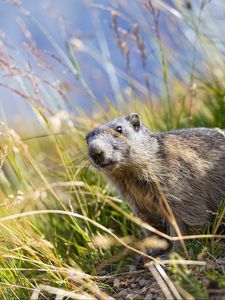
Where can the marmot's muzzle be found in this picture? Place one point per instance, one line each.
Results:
(96, 154)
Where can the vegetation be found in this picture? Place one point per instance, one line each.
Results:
(61, 224)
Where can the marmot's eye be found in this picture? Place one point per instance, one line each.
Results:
(119, 129)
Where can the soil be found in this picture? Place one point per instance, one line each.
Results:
(133, 285)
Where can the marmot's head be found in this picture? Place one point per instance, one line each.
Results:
(110, 145)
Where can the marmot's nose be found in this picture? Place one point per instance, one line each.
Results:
(96, 154)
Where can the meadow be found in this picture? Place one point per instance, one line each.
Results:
(63, 228)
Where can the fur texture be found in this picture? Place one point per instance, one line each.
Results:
(187, 164)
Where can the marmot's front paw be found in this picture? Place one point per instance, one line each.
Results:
(141, 260)
(155, 252)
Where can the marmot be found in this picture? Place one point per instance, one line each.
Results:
(188, 165)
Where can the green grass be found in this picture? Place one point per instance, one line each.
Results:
(42, 249)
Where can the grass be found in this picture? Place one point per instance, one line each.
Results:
(61, 224)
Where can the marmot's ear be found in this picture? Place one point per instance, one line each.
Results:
(134, 119)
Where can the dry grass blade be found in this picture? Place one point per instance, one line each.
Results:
(90, 285)
(4, 154)
(168, 282)
(182, 262)
(60, 293)
(152, 268)
(163, 6)
(221, 217)
(156, 231)
(184, 293)
(167, 210)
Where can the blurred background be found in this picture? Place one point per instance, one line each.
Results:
(70, 55)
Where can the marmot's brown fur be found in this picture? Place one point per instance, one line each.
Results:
(188, 165)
